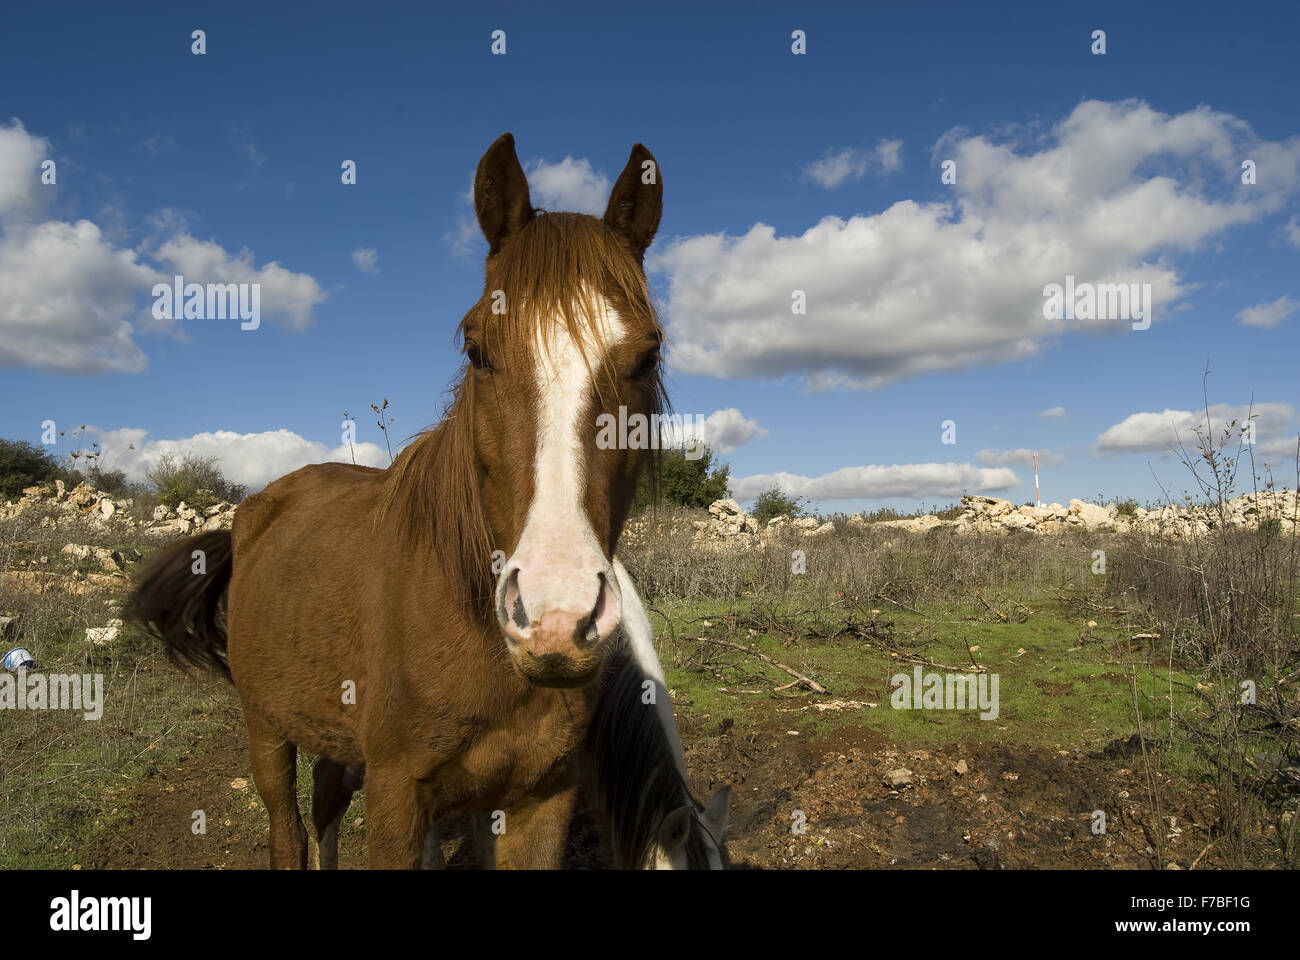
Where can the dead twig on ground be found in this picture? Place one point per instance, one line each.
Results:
(811, 684)
(902, 606)
(931, 662)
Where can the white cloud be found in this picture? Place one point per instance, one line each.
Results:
(67, 294)
(725, 430)
(840, 166)
(1022, 456)
(288, 295)
(21, 154)
(832, 170)
(1052, 413)
(1292, 230)
(1164, 431)
(245, 145)
(251, 459)
(166, 221)
(1268, 314)
(158, 143)
(1283, 446)
(922, 287)
(464, 238)
(889, 154)
(366, 259)
(568, 185)
(70, 294)
(913, 480)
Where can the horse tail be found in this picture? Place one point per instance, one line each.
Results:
(178, 600)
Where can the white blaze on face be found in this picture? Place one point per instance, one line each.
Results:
(559, 559)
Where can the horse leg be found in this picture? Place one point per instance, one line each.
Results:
(274, 759)
(480, 835)
(397, 819)
(485, 847)
(329, 802)
(432, 859)
(536, 829)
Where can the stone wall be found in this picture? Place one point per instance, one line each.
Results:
(728, 524)
(992, 515)
(84, 502)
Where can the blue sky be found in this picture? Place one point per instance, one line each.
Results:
(818, 172)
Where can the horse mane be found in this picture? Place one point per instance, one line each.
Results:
(632, 777)
(432, 488)
(550, 272)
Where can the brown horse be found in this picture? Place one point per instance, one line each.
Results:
(364, 622)
(632, 766)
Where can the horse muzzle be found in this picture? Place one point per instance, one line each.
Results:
(558, 639)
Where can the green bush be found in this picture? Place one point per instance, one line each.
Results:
(773, 502)
(112, 482)
(24, 464)
(195, 480)
(682, 481)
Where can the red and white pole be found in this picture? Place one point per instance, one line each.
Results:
(1037, 495)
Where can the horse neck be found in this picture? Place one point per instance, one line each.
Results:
(433, 503)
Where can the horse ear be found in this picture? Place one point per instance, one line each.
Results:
(637, 200)
(501, 198)
(674, 829)
(715, 815)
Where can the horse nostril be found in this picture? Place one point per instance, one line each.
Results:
(517, 612)
(588, 631)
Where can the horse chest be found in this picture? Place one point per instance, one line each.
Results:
(508, 755)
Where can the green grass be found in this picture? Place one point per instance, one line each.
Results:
(67, 778)
(1068, 689)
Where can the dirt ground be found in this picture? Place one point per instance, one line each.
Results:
(958, 807)
(962, 807)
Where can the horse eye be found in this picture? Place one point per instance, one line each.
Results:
(476, 358)
(647, 365)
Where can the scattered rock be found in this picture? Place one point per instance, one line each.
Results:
(837, 705)
(898, 778)
(101, 636)
(101, 509)
(724, 508)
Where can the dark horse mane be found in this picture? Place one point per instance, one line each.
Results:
(550, 273)
(432, 492)
(631, 774)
